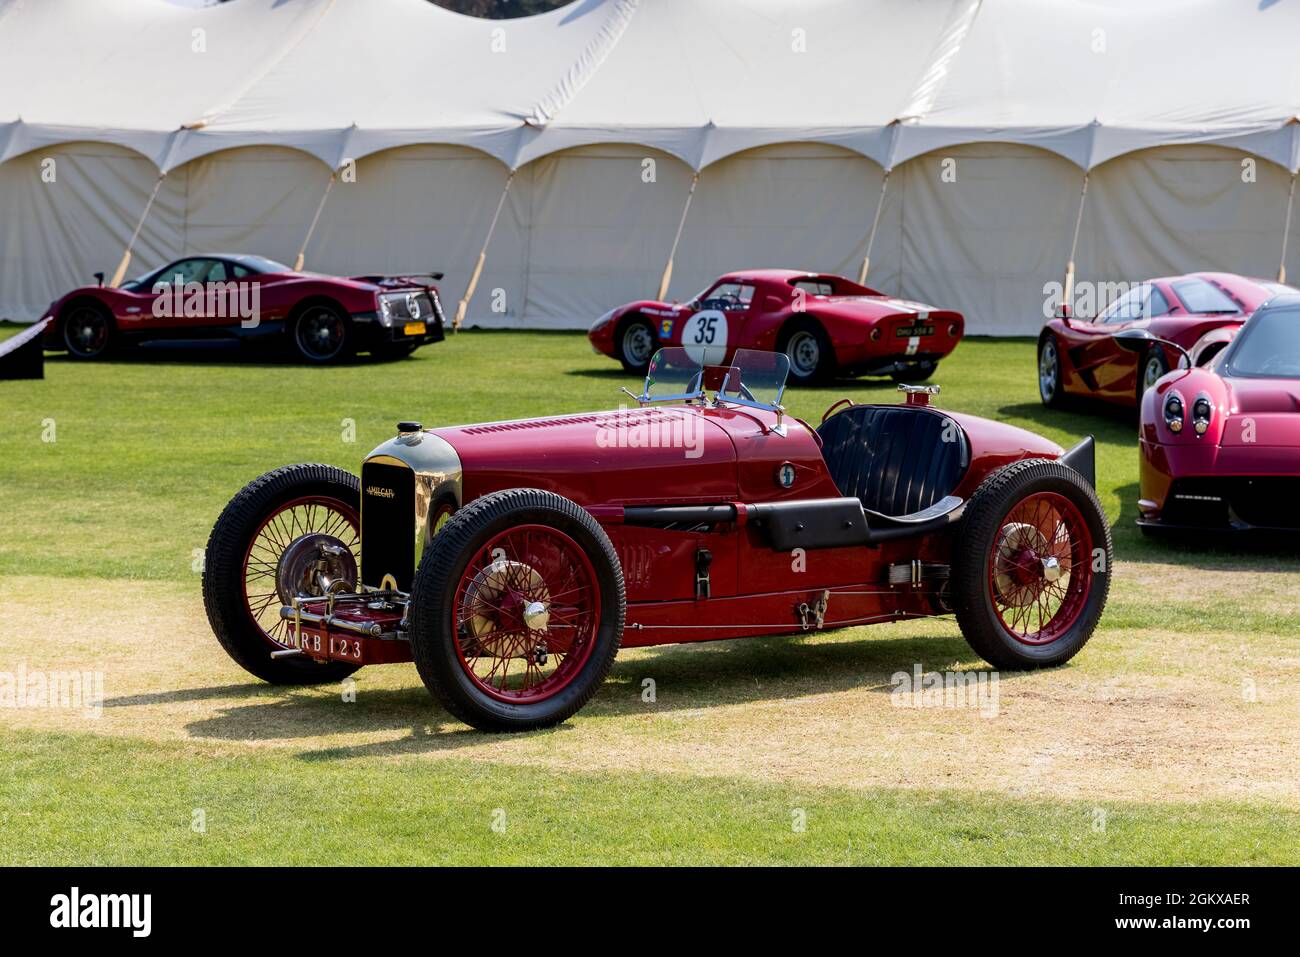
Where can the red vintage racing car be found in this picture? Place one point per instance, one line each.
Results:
(511, 560)
(826, 325)
(1220, 446)
(320, 318)
(1197, 313)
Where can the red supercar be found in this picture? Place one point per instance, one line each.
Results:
(824, 324)
(1196, 315)
(250, 299)
(511, 560)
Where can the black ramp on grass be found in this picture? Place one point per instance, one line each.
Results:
(23, 355)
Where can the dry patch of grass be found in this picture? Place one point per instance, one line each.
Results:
(1151, 713)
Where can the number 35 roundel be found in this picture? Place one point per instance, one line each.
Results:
(704, 337)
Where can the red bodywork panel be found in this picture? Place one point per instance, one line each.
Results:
(1094, 366)
(862, 324)
(694, 455)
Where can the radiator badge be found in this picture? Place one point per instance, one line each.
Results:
(380, 491)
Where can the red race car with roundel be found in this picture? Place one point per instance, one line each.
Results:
(1220, 446)
(1192, 316)
(825, 325)
(254, 300)
(511, 560)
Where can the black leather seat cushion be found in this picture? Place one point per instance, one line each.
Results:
(894, 457)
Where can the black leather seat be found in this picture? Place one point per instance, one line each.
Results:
(893, 458)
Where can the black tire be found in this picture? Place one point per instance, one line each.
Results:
(981, 528)
(1152, 367)
(87, 331)
(809, 349)
(320, 334)
(1050, 390)
(433, 599)
(223, 570)
(635, 342)
(916, 372)
(392, 351)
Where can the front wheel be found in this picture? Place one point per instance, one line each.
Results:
(288, 534)
(1031, 565)
(636, 343)
(88, 332)
(517, 610)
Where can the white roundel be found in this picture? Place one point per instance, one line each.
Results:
(704, 337)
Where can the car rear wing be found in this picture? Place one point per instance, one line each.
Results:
(410, 279)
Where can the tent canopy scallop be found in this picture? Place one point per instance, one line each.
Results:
(891, 79)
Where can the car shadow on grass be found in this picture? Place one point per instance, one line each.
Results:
(249, 689)
(687, 678)
(1105, 422)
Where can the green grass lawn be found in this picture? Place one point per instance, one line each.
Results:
(116, 470)
(83, 800)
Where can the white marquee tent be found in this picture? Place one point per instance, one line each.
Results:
(979, 118)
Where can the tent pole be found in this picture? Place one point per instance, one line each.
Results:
(871, 237)
(667, 277)
(1286, 230)
(302, 252)
(463, 305)
(122, 266)
(1067, 292)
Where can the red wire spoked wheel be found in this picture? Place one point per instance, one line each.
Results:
(284, 525)
(526, 613)
(1040, 568)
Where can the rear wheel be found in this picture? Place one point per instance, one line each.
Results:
(88, 331)
(636, 344)
(1154, 366)
(1049, 372)
(517, 610)
(806, 345)
(266, 549)
(1031, 565)
(321, 334)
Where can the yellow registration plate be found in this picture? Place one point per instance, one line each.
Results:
(413, 328)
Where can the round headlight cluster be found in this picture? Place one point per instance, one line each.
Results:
(952, 329)
(1174, 412)
(1202, 412)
